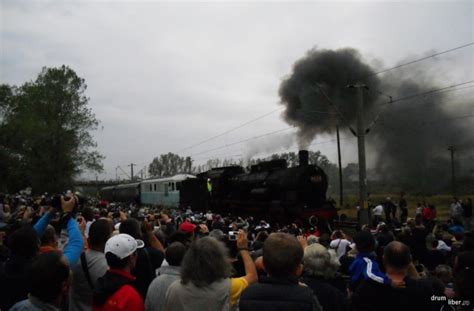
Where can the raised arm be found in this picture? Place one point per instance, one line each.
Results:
(152, 239)
(242, 247)
(73, 249)
(41, 225)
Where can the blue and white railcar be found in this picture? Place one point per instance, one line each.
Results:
(162, 191)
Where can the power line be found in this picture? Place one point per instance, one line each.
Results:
(448, 119)
(414, 128)
(313, 144)
(242, 125)
(273, 111)
(230, 130)
(427, 93)
(420, 59)
(243, 141)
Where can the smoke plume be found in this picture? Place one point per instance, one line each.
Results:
(410, 137)
(319, 74)
(269, 145)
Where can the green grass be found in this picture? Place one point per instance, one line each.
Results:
(442, 203)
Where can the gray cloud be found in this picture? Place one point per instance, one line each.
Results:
(164, 75)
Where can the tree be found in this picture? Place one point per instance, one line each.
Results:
(170, 164)
(45, 126)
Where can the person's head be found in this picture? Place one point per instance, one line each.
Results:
(338, 234)
(49, 237)
(324, 240)
(205, 262)
(174, 253)
(88, 213)
(434, 244)
(444, 273)
(24, 242)
(312, 239)
(121, 251)
(397, 256)
(49, 277)
(406, 231)
(282, 255)
(218, 234)
(131, 227)
(187, 228)
(319, 261)
(99, 233)
(364, 241)
(261, 236)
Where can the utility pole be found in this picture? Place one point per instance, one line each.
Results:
(364, 215)
(131, 170)
(453, 177)
(341, 200)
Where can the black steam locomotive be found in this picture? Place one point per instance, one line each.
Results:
(270, 190)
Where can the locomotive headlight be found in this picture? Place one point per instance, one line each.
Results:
(316, 178)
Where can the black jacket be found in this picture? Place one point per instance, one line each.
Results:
(330, 298)
(278, 295)
(371, 296)
(148, 261)
(14, 282)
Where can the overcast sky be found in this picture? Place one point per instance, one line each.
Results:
(163, 76)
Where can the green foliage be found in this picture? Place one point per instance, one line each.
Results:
(45, 131)
(170, 164)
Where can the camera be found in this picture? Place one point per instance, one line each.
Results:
(233, 235)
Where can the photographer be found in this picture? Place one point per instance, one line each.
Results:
(24, 246)
(206, 282)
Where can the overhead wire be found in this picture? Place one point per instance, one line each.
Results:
(373, 123)
(428, 92)
(273, 111)
(230, 130)
(243, 141)
(420, 59)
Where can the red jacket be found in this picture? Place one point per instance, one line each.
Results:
(429, 214)
(125, 298)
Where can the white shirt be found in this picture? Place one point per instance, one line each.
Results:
(442, 246)
(340, 246)
(378, 210)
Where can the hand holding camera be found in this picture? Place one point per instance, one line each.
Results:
(242, 242)
(68, 203)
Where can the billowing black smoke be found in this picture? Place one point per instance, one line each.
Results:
(319, 74)
(410, 137)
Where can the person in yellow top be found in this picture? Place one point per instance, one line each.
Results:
(209, 185)
(205, 277)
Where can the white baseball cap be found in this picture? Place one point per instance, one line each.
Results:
(122, 245)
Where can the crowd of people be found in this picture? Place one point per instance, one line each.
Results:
(70, 254)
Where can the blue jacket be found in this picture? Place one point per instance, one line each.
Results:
(364, 267)
(73, 249)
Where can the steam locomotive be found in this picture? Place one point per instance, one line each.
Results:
(271, 190)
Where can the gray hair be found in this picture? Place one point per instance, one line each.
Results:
(444, 273)
(205, 262)
(217, 234)
(312, 239)
(319, 261)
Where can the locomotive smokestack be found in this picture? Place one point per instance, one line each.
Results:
(303, 157)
